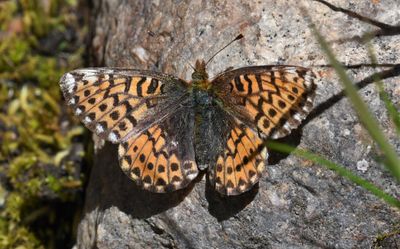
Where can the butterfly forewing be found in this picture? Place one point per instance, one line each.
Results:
(117, 103)
(271, 99)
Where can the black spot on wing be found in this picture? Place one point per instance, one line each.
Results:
(239, 84)
(152, 87)
(139, 87)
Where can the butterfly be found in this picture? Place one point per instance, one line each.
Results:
(169, 129)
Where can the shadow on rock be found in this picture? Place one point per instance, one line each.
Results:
(223, 207)
(293, 140)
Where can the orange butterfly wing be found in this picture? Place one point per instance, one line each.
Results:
(271, 99)
(162, 158)
(241, 163)
(116, 103)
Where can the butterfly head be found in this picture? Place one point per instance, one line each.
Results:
(200, 76)
(200, 73)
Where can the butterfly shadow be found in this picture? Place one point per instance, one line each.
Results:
(110, 187)
(293, 140)
(223, 207)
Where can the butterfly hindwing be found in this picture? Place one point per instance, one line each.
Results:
(116, 103)
(272, 99)
(162, 159)
(241, 163)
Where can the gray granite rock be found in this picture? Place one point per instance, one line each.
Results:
(297, 204)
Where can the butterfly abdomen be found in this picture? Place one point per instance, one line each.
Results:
(210, 135)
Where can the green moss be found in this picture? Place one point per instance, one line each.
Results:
(7, 12)
(17, 238)
(14, 51)
(40, 157)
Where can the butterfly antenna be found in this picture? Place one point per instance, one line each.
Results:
(190, 65)
(240, 36)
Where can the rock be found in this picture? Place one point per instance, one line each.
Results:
(362, 165)
(297, 203)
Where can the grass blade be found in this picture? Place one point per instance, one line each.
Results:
(391, 109)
